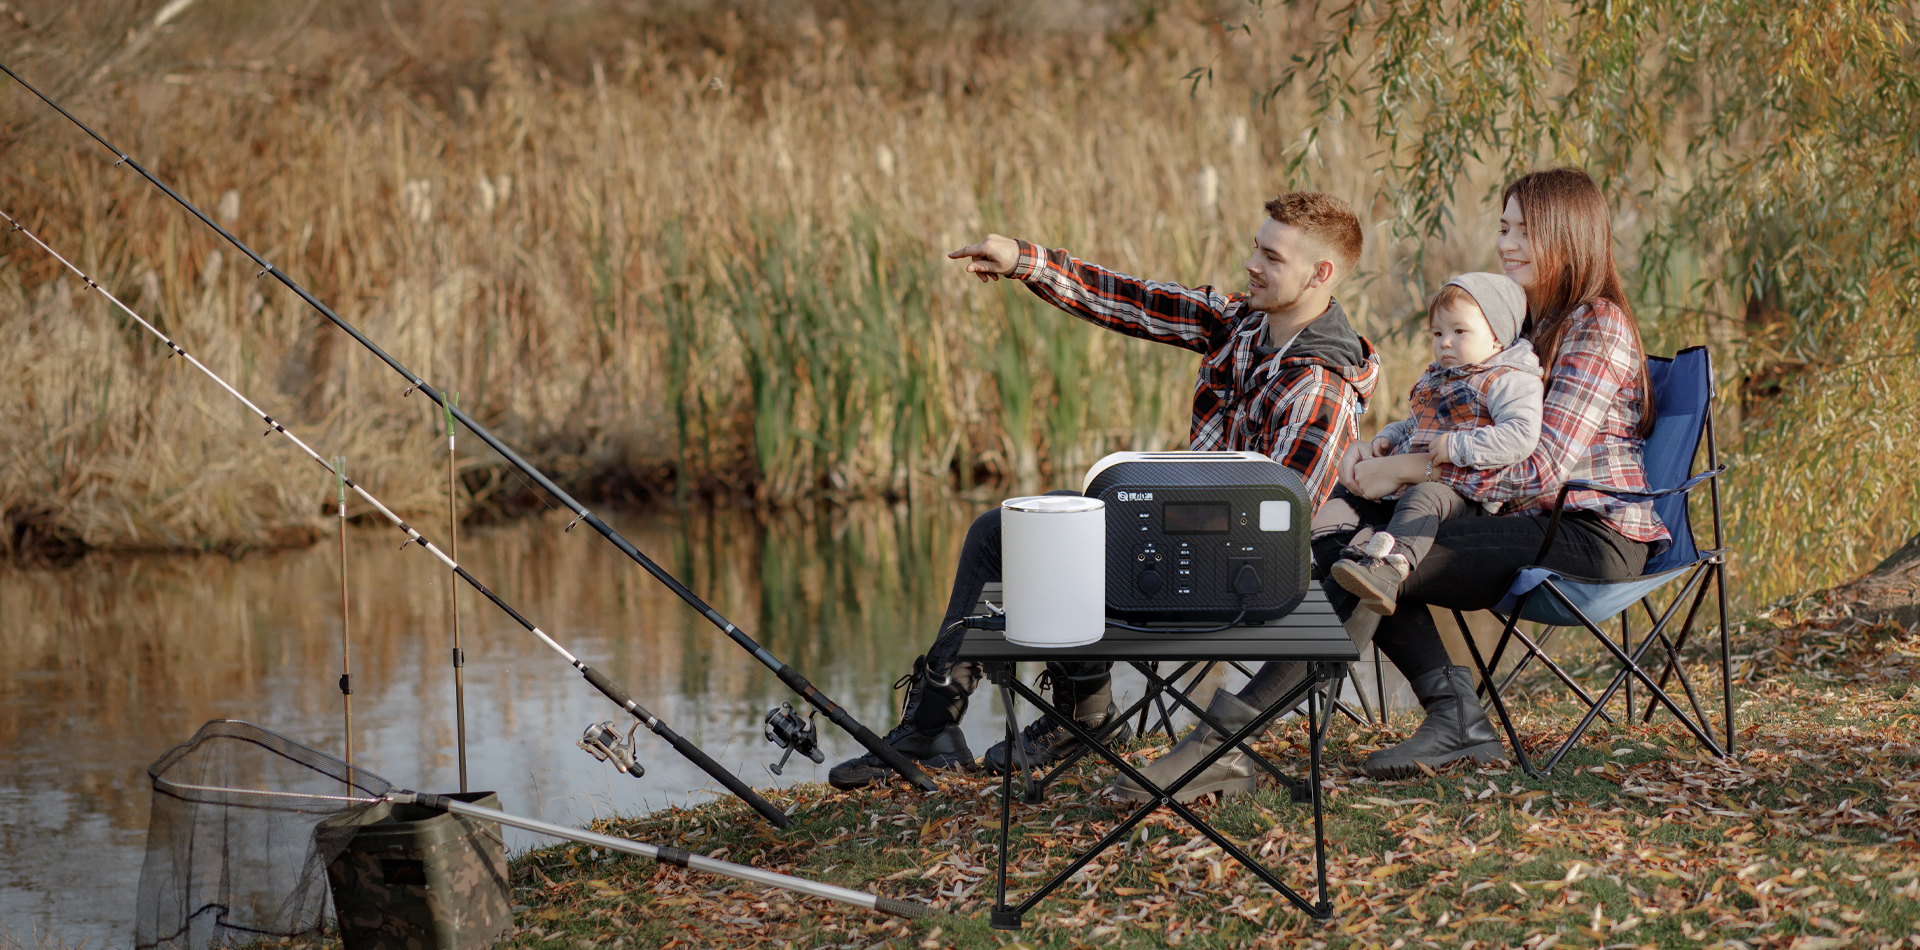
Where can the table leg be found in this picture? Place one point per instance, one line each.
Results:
(1003, 917)
(1035, 791)
(1316, 729)
(1165, 797)
(1140, 729)
(1160, 701)
(1379, 686)
(1186, 695)
(1296, 789)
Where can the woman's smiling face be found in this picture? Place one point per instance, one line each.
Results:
(1516, 251)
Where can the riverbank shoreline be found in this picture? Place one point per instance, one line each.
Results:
(1809, 839)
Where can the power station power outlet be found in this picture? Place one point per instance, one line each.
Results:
(1245, 575)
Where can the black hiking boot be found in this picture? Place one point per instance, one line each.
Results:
(928, 734)
(1044, 741)
(1456, 728)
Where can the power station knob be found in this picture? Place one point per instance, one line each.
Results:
(1148, 582)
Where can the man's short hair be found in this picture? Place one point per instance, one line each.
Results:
(1325, 219)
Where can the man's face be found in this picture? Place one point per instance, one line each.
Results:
(1283, 265)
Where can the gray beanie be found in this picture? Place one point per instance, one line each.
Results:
(1501, 299)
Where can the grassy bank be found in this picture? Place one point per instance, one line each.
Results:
(678, 248)
(1807, 841)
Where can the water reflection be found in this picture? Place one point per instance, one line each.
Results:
(107, 663)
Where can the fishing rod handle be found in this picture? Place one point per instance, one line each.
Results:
(861, 734)
(693, 753)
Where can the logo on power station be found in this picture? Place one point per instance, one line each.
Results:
(1134, 496)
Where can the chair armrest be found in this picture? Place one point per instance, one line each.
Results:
(1683, 487)
(1560, 500)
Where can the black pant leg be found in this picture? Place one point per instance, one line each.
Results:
(979, 565)
(1418, 513)
(1342, 516)
(1473, 562)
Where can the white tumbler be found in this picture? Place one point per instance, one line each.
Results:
(1053, 558)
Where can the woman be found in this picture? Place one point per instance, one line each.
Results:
(1556, 242)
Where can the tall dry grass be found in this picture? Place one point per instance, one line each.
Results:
(657, 247)
(658, 271)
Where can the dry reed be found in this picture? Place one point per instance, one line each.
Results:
(652, 249)
(648, 275)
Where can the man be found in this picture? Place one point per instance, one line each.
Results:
(1282, 373)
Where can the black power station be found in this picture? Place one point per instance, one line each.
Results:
(1202, 536)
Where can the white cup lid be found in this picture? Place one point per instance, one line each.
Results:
(1053, 504)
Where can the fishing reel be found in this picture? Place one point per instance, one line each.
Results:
(787, 730)
(603, 743)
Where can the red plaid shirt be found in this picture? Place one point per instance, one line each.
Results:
(1297, 407)
(1589, 430)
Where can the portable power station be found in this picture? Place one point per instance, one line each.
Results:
(1201, 536)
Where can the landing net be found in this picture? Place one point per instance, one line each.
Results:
(244, 824)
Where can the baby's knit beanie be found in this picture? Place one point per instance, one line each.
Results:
(1502, 300)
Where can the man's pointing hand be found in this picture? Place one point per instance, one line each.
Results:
(990, 259)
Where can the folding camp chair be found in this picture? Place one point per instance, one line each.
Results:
(1683, 399)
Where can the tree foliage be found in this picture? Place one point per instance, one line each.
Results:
(1765, 152)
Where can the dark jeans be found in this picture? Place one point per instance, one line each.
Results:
(1471, 564)
(979, 564)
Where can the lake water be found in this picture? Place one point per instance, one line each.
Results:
(107, 663)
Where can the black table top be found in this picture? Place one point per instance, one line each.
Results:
(1311, 632)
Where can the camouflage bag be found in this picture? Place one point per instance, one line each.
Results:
(417, 878)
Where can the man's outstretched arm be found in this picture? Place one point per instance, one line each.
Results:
(1152, 310)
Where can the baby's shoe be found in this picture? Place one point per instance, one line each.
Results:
(1373, 573)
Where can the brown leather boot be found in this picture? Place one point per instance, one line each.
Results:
(1231, 774)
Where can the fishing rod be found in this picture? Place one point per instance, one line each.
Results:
(835, 713)
(599, 680)
(453, 607)
(346, 615)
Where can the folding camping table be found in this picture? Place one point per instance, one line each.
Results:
(1311, 634)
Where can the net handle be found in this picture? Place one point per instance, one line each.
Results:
(665, 855)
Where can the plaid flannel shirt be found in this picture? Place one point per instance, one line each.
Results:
(1297, 408)
(1588, 430)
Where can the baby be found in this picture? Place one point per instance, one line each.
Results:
(1477, 406)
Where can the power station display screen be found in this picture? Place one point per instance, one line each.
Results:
(1195, 517)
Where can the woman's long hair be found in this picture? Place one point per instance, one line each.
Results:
(1571, 235)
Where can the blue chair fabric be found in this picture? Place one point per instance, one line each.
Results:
(1682, 400)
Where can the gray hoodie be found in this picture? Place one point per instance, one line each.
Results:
(1505, 390)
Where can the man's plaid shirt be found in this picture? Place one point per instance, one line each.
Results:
(1589, 430)
(1297, 407)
